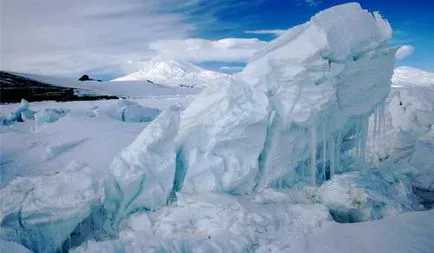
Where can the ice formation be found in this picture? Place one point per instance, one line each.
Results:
(269, 125)
(22, 113)
(211, 222)
(130, 111)
(49, 115)
(41, 212)
(147, 169)
(408, 128)
(359, 196)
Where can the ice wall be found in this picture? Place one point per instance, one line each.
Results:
(323, 80)
(297, 112)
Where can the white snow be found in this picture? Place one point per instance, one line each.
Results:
(409, 232)
(225, 223)
(408, 75)
(216, 223)
(86, 135)
(172, 72)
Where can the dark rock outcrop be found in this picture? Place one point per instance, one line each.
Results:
(87, 78)
(13, 88)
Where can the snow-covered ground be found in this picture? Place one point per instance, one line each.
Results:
(269, 160)
(90, 132)
(130, 89)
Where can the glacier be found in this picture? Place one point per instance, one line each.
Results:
(255, 155)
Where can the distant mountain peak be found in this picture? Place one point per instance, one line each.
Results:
(173, 72)
(406, 75)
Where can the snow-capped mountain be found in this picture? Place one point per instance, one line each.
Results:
(405, 74)
(173, 72)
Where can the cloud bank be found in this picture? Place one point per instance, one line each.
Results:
(201, 50)
(404, 52)
(72, 37)
(276, 32)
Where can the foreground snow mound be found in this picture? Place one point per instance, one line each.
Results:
(41, 212)
(356, 196)
(130, 111)
(408, 232)
(215, 223)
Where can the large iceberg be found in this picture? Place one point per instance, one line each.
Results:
(296, 112)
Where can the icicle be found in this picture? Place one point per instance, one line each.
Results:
(324, 151)
(381, 124)
(338, 151)
(332, 153)
(363, 136)
(357, 137)
(313, 154)
(374, 135)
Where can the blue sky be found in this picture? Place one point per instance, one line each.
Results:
(412, 21)
(109, 38)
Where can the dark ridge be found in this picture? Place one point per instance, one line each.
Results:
(13, 88)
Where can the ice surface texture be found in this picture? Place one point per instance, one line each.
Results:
(130, 111)
(41, 212)
(311, 89)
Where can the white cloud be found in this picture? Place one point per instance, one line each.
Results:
(276, 32)
(312, 2)
(404, 52)
(200, 50)
(231, 69)
(72, 37)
